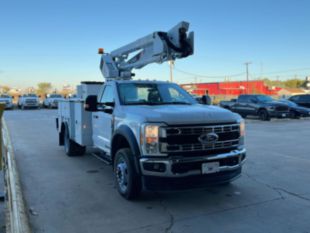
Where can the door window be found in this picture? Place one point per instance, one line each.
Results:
(108, 95)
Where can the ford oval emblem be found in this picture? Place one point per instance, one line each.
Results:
(208, 138)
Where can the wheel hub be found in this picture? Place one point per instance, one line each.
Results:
(122, 175)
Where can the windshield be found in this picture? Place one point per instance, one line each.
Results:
(5, 96)
(55, 96)
(289, 103)
(30, 95)
(153, 94)
(264, 98)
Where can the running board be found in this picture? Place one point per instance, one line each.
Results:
(103, 157)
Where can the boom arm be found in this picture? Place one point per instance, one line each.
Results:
(157, 47)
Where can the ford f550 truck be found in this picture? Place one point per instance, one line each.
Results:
(155, 135)
(29, 101)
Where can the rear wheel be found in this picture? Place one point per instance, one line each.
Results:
(263, 115)
(127, 179)
(71, 147)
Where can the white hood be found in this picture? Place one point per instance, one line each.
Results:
(181, 114)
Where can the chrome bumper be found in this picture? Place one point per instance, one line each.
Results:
(168, 162)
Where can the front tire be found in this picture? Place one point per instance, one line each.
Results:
(263, 115)
(294, 115)
(127, 179)
(71, 147)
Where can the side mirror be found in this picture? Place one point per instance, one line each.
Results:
(206, 100)
(39, 96)
(91, 103)
(13, 97)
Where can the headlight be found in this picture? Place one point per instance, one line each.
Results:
(149, 139)
(242, 128)
(242, 133)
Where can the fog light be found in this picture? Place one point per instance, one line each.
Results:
(155, 167)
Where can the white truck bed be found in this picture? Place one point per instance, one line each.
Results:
(78, 121)
(72, 113)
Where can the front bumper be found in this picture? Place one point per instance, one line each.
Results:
(7, 105)
(279, 114)
(31, 105)
(175, 172)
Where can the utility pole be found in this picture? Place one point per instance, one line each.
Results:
(171, 65)
(247, 76)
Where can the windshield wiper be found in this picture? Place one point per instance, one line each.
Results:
(178, 102)
(145, 103)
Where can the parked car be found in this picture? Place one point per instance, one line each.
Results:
(28, 101)
(51, 100)
(227, 104)
(296, 111)
(7, 100)
(301, 100)
(262, 106)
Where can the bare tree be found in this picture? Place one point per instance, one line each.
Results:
(44, 88)
(5, 89)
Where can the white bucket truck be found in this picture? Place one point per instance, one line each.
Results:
(155, 134)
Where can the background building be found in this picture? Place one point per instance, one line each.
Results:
(231, 88)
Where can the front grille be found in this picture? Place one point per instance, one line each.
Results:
(5, 101)
(31, 101)
(186, 138)
(282, 108)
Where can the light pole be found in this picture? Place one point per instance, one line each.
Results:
(247, 76)
(171, 65)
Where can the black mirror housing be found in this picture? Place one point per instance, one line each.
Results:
(109, 104)
(91, 103)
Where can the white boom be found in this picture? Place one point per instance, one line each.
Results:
(157, 47)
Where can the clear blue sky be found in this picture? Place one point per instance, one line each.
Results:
(57, 40)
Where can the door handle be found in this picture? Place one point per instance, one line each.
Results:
(95, 116)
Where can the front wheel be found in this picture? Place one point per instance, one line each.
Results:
(127, 179)
(294, 115)
(263, 115)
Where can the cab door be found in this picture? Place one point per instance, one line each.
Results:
(102, 120)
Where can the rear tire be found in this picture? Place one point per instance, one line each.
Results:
(71, 147)
(263, 115)
(127, 179)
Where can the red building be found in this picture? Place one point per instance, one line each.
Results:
(231, 88)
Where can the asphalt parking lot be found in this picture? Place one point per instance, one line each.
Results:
(77, 194)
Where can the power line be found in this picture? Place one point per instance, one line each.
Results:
(206, 76)
(287, 71)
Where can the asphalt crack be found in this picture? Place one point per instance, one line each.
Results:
(293, 194)
(279, 190)
(168, 229)
(266, 185)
